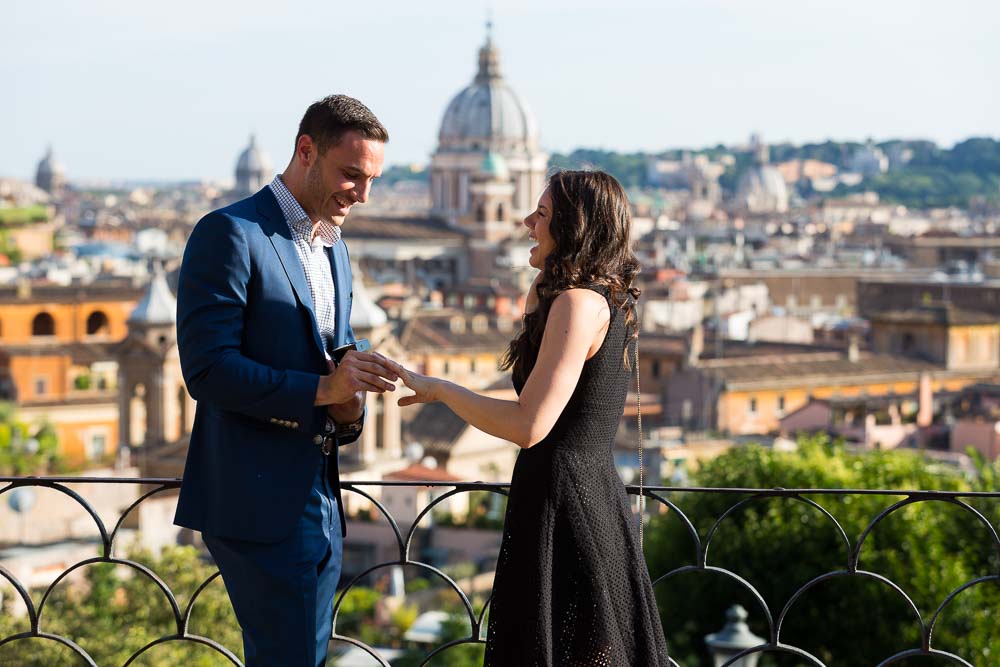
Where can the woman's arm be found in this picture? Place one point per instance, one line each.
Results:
(576, 318)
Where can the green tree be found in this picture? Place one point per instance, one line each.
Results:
(117, 610)
(26, 450)
(928, 549)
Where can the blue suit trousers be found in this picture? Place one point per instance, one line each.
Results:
(283, 592)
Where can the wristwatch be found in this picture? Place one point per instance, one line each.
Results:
(351, 429)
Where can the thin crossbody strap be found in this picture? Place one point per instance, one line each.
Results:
(638, 412)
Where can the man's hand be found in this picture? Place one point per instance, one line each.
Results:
(358, 371)
(351, 411)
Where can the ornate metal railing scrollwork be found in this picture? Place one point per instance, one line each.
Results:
(666, 497)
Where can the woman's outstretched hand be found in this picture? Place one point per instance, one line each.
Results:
(425, 388)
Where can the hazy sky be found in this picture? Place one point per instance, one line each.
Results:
(171, 90)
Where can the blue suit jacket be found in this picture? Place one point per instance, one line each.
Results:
(252, 356)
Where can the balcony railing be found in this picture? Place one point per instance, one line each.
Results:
(658, 500)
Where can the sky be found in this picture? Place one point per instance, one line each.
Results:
(172, 90)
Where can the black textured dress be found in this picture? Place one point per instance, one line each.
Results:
(571, 587)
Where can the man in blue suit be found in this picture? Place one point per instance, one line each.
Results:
(264, 298)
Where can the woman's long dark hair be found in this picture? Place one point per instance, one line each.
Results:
(591, 224)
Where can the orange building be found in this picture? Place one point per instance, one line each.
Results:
(57, 360)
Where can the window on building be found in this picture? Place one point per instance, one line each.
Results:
(472, 365)
(41, 386)
(499, 211)
(447, 367)
(97, 446)
(753, 406)
(97, 324)
(781, 404)
(656, 369)
(43, 325)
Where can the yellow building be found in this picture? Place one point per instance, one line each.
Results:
(457, 345)
(750, 394)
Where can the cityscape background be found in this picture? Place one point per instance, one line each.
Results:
(185, 82)
(815, 191)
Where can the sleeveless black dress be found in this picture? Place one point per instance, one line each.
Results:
(571, 586)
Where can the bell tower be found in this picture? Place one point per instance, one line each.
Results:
(154, 406)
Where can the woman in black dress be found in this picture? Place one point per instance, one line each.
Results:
(571, 586)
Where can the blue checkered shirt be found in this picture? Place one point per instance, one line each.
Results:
(313, 255)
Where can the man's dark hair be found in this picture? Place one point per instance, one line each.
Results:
(327, 120)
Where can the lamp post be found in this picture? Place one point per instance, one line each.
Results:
(734, 638)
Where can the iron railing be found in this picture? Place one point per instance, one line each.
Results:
(404, 541)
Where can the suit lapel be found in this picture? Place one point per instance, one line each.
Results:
(281, 238)
(340, 269)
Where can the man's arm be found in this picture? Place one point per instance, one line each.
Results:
(211, 299)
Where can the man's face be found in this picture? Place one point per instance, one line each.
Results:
(342, 177)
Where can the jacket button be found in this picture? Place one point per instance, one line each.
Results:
(317, 440)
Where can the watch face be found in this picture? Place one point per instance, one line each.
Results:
(349, 429)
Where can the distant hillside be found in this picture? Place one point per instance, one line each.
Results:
(403, 172)
(933, 177)
(968, 172)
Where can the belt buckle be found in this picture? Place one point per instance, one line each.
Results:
(327, 445)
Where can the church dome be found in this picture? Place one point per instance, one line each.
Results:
(158, 305)
(488, 113)
(50, 174)
(253, 169)
(253, 162)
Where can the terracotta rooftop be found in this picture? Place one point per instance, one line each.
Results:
(441, 331)
(824, 367)
(80, 353)
(401, 227)
(417, 472)
(104, 290)
(435, 427)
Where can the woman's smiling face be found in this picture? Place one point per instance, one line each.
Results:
(538, 231)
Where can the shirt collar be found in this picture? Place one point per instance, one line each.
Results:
(298, 220)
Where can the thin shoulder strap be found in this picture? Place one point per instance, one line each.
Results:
(638, 412)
